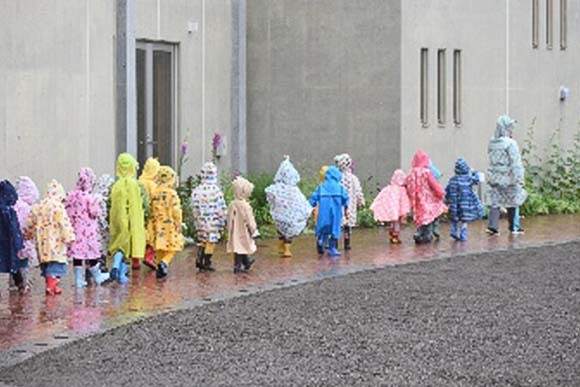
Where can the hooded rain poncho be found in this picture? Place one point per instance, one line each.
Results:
(392, 203)
(208, 206)
(464, 205)
(331, 198)
(288, 206)
(28, 195)
(11, 241)
(101, 192)
(241, 223)
(352, 186)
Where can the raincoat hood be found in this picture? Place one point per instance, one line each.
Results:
(343, 162)
(150, 169)
(461, 167)
(104, 184)
(420, 160)
(504, 127)
(8, 195)
(86, 180)
(242, 188)
(27, 190)
(398, 178)
(287, 174)
(54, 191)
(333, 175)
(323, 173)
(208, 173)
(126, 166)
(166, 176)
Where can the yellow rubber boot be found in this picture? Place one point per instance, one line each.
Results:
(287, 253)
(280, 246)
(209, 247)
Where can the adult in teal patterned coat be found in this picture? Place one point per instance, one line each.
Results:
(464, 205)
(332, 200)
(505, 174)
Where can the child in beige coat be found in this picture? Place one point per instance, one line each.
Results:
(242, 228)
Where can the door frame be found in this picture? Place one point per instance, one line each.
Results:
(173, 48)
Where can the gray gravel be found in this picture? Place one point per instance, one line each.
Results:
(506, 319)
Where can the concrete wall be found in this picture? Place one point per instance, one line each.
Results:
(167, 20)
(478, 29)
(57, 110)
(536, 74)
(324, 78)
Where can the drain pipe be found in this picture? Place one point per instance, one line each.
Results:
(507, 57)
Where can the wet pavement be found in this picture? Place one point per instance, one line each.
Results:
(32, 323)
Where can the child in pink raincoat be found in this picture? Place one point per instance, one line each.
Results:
(83, 210)
(28, 195)
(426, 197)
(392, 205)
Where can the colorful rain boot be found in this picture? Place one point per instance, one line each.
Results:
(99, 277)
(161, 270)
(80, 277)
(247, 262)
(454, 231)
(51, 286)
(207, 254)
(149, 259)
(280, 246)
(333, 250)
(123, 270)
(237, 264)
(115, 268)
(135, 264)
(395, 238)
(463, 234)
(286, 253)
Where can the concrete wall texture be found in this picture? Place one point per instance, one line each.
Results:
(324, 78)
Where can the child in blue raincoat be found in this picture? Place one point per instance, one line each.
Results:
(11, 240)
(464, 205)
(332, 200)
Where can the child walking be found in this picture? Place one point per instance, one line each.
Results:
(164, 227)
(27, 196)
(426, 197)
(332, 201)
(51, 229)
(83, 211)
(126, 218)
(11, 241)
(148, 179)
(242, 228)
(289, 208)
(209, 213)
(392, 205)
(352, 186)
(102, 191)
(464, 205)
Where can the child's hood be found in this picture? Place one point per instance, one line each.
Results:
(104, 185)
(209, 173)
(398, 178)
(287, 174)
(420, 160)
(166, 176)
(333, 175)
(126, 166)
(86, 180)
(54, 191)
(27, 190)
(8, 195)
(242, 188)
(343, 162)
(461, 167)
(504, 127)
(150, 169)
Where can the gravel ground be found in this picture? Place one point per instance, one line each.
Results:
(507, 319)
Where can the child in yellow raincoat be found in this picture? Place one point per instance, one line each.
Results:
(50, 227)
(164, 227)
(148, 179)
(126, 218)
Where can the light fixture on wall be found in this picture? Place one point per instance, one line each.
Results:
(192, 26)
(564, 93)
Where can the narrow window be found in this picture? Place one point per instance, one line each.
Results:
(424, 92)
(535, 23)
(457, 87)
(441, 87)
(563, 24)
(549, 23)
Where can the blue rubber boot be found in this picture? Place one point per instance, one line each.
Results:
(98, 276)
(454, 231)
(80, 277)
(463, 233)
(115, 268)
(333, 251)
(123, 270)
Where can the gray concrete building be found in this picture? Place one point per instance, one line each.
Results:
(81, 80)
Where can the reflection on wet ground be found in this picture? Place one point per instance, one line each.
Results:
(36, 321)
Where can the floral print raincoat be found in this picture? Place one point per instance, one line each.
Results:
(84, 211)
(392, 203)
(50, 226)
(352, 186)
(288, 206)
(28, 195)
(208, 206)
(101, 192)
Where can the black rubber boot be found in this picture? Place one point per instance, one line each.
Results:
(247, 262)
(207, 262)
(161, 270)
(199, 259)
(237, 264)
